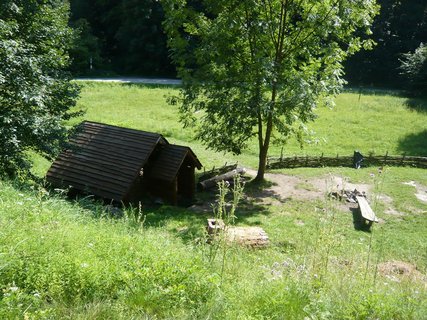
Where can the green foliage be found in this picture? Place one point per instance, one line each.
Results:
(257, 66)
(399, 28)
(63, 259)
(126, 34)
(356, 123)
(85, 53)
(35, 94)
(414, 67)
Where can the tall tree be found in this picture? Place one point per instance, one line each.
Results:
(398, 29)
(129, 34)
(260, 67)
(35, 94)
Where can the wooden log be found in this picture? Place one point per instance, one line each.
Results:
(214, 226)
(246, 236)
(217, 171)
(254, 237)
(212, 182)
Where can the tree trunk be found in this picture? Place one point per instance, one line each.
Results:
(263, 150)
(262, 163)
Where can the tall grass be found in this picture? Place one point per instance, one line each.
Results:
(56, 255)
(62, 259)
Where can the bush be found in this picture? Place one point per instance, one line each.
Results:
(35, 93)
(414, 68)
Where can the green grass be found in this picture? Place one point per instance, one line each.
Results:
(372, 123)
(69, 259)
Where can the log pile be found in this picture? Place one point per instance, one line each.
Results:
(217, 171)
(347, 195)
(212, 182)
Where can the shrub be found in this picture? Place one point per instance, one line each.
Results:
(35, 93)
(414, 68)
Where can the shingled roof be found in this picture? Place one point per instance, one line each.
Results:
(169, 160)
(104, 160)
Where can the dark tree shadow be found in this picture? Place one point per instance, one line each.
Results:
(187, 223)
(417, 104)
(151, 85)
(414, 144)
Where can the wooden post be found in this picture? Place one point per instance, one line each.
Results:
(403, 159)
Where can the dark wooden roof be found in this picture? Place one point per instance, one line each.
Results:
(169, 161)
(106, 159)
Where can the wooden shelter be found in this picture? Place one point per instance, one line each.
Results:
(125, 165)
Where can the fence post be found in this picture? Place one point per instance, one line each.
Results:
(403, 159)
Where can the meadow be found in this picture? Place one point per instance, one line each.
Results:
(69, 258)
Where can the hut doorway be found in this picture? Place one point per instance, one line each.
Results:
(186, 183)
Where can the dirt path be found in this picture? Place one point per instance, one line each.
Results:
(287, 186)
(134, 80)
(421, 191)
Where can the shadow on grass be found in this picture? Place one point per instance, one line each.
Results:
(150, 85)
(358, 221)
(414, 144)
(186, 223)
(260, 192)
(417, 104)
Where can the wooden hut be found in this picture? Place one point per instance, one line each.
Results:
(124, 165)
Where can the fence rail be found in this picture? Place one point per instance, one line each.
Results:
(345, 161)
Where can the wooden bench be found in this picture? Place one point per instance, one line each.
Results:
(366, 211)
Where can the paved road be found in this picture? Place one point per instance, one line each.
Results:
(134, 80)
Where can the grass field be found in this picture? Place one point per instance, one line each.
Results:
(374, 122)
(70, 259)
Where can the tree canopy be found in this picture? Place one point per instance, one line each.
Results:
(123, 36)
(414, 67)
(399, 28)
(260, 67)
(35, 93)
(126, 37)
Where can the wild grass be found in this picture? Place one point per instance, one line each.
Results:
(72, 259)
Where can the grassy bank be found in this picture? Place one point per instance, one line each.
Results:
(62, 259)
(73, 259)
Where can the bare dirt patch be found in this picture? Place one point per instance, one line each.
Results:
(286, 186)
(398, 270)
(421, 191)
(388, 202)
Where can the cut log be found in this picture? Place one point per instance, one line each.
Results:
(212, 182)
(366, 210)
(214, 226)
(248, 236)
(254, 237)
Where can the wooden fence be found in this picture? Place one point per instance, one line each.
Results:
(345, 161)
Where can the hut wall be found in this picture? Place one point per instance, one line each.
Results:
(136, 192)
(162, 189)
